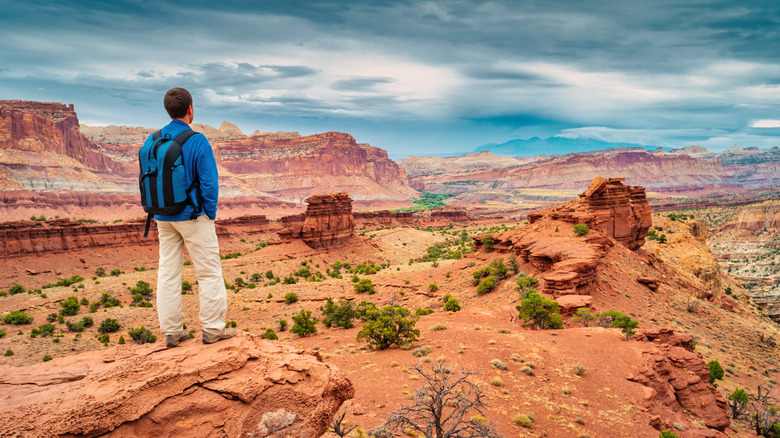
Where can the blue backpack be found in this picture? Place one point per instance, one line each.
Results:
(162, 178)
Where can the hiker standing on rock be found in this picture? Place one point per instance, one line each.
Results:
(179, 188)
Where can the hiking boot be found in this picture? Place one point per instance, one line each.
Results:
(210, 338)
(174, 339)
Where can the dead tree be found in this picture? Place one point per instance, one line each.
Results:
(340, 429)
(447, 405)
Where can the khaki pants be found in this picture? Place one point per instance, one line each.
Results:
(200, 237)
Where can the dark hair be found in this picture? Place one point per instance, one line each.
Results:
(177, 101)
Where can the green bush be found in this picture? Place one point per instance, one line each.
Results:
(452, 305)
(365, 285)
(17, 317)
(8, 352)
(16, 289)
(526, 284)
(100, 272)
(340, 315)
(738, 403)
(46, 330)
(65, 282)
(304, 324)
(108, 300)
(290, 298)
(143, 288)
(109, 325)
(269, 274)
(581, 229)
(115, 272)
(666, 434)
(487, 285)
(85, 322)
(289, 280)
(387, 326)
(46, 358)
(142, 335)
(433, 287)
(583, 315)
(606, 318)
(270, 335)
(103, 339)
(540, 312)
(2, 333)
(186, 285)
(626, 325)
(716, 372)
(488, 242)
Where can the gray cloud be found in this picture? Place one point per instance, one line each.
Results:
(359, 84)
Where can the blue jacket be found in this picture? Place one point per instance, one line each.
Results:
(197, 154)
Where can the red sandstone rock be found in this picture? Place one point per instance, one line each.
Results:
(328, 222)
(678, 379)
(570, 303)
(243, 386)
(650, 282)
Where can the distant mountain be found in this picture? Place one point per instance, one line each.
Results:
(534, 146)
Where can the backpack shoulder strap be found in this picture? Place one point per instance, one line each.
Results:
(184, 136)
(157, 134)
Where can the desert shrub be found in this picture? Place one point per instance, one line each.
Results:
(486, 285)
(514, 265)
(433, 287)
(109, 325)
(526, 284)
(303, 272)
(497, 363)
(108, 300)
(46, 358)
(452, 305)
(581, 229)
(186, 285)
(583, 315)
(488, 242)
(578, 369)
(269, 274)
(142, 335)
(716, 372)
(626, 325)
(46, 329)
(143, 288)
(103, 339)
(666, 434)
(523, 420)
(70, 306)
(3, 333)
(290, 297)
(340, 315)
(540, 312)
(363, 308)
(304, 324)
(444, 385)
(282, 325)
(270, 335)
(606, 318)
(115, 272)
(365, 285)
(738, 403)
(289, 280)
(17, 317)
(65, 282)
(256, 278)
(438, 327)
(16, 289)
(387, 326)
(498, 269)
(84, 302)
(422, 312)
(8, 352)
(79, 326)
(100, 272)
(422, 351)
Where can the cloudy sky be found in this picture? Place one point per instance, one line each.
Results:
(412, 77)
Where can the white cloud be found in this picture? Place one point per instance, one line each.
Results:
(766, 123)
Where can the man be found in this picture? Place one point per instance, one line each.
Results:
(198, 235)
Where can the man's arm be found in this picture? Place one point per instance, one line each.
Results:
(209, 178)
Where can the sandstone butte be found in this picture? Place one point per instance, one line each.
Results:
(245, 386)
(614, 213)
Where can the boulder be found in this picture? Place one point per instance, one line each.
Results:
(245, 386)
(328, 222)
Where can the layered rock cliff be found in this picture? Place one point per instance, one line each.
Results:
(328, 222)
(243, 386)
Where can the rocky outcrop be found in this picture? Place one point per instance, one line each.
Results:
(297, 167)
(757, 217)
(328, 222)
(243, 386)
(618, 210)
(60, 235)
(41, 127)
(678, 381)
(613, 211)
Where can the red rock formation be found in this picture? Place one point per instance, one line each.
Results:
(303, 166)
(48, 127)
(678, 380)
(243, 386)
(328, 223)
(620, 211)
(613, 211)
(440, 215)
(60, 235)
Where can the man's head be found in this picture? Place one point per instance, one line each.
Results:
(178, 103)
